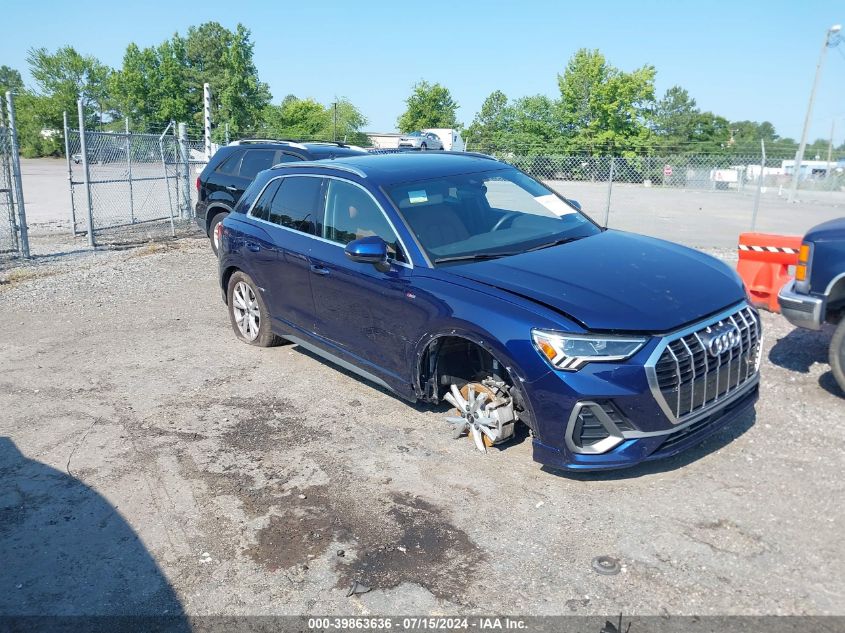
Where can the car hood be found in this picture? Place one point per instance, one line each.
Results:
(615, 281)
(832, 230)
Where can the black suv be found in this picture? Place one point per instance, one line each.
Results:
(234, 166)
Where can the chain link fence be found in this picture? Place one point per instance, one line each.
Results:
(699, 200)
(14, 240)
(131, 187)
(8, 224)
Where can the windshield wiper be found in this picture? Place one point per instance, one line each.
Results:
(471, 257)
(563, 240)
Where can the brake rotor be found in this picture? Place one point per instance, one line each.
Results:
(479, 389)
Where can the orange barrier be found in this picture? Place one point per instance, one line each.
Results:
(764, 262)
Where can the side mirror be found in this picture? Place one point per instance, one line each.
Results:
(574, 203)
(369, 250)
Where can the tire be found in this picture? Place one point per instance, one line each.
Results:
(423, 147)
(212, 233)
(837, 354)
(248, 313)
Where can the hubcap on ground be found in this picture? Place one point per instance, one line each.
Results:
(246, 311)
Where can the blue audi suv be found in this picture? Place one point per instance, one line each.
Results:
(454, 277)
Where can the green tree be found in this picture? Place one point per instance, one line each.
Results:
(428, 106)
(242, 97)
(490, 129)
(306, 119)
(10, 80)
(534, 126)
(296, 119)
(163, 83)
(604, 109)
(709, 134)
(65, 76)
(674, 119)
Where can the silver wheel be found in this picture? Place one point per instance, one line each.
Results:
(475, 414)
(246, 310)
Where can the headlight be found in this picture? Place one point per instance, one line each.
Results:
(571, 351)
(802, 270)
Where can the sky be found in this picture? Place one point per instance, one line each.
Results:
(743, 60)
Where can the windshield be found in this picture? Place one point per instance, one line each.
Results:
(487, 214)
(412, 134)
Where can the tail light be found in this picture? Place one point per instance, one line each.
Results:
(198, 183)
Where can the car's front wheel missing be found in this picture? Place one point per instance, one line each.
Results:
(248, 312)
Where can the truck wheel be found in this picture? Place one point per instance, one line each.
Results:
(212, 232)
(837, 354)
(248, 312)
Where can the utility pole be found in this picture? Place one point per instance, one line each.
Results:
(799, 155)
(335, 121)
(830, 144)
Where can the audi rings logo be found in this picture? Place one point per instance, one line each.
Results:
(720, 338)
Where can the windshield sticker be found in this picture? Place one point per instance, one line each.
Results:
(555, 204)
(415, 197)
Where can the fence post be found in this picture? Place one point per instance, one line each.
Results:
(69, 176)
(759, 184)
(166, 177)
(609, 190)
(206, 100)
(129, 172)
(86, 176)
(184, 155)
(16, 168)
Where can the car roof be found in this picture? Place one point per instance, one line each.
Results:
(391, 169)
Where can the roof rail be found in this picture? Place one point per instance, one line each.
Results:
(326, 164)
(249, 141)
(473, 154)
(335, 143)
(288, 141)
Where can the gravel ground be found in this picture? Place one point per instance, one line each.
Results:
(152, 463)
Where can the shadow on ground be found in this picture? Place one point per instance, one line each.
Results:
(801, 349)
(66, 551)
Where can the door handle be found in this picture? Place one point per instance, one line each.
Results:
(317, 269)
(253, 247)
(231, 188)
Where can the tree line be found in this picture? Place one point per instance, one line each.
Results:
(599, 110)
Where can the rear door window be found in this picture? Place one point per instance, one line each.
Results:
(261, 210)
(297, 204)
(230, 165)
(286, 157)
(254, 161)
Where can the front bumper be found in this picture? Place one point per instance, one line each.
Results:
(802, 310)
(651, 446)
(669, 396)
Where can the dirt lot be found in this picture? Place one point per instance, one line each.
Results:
(152, 463)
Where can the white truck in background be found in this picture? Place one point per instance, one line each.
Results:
(452, 140)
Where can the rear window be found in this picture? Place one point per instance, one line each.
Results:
(296, 204)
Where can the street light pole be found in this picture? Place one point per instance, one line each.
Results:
(799, 155)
